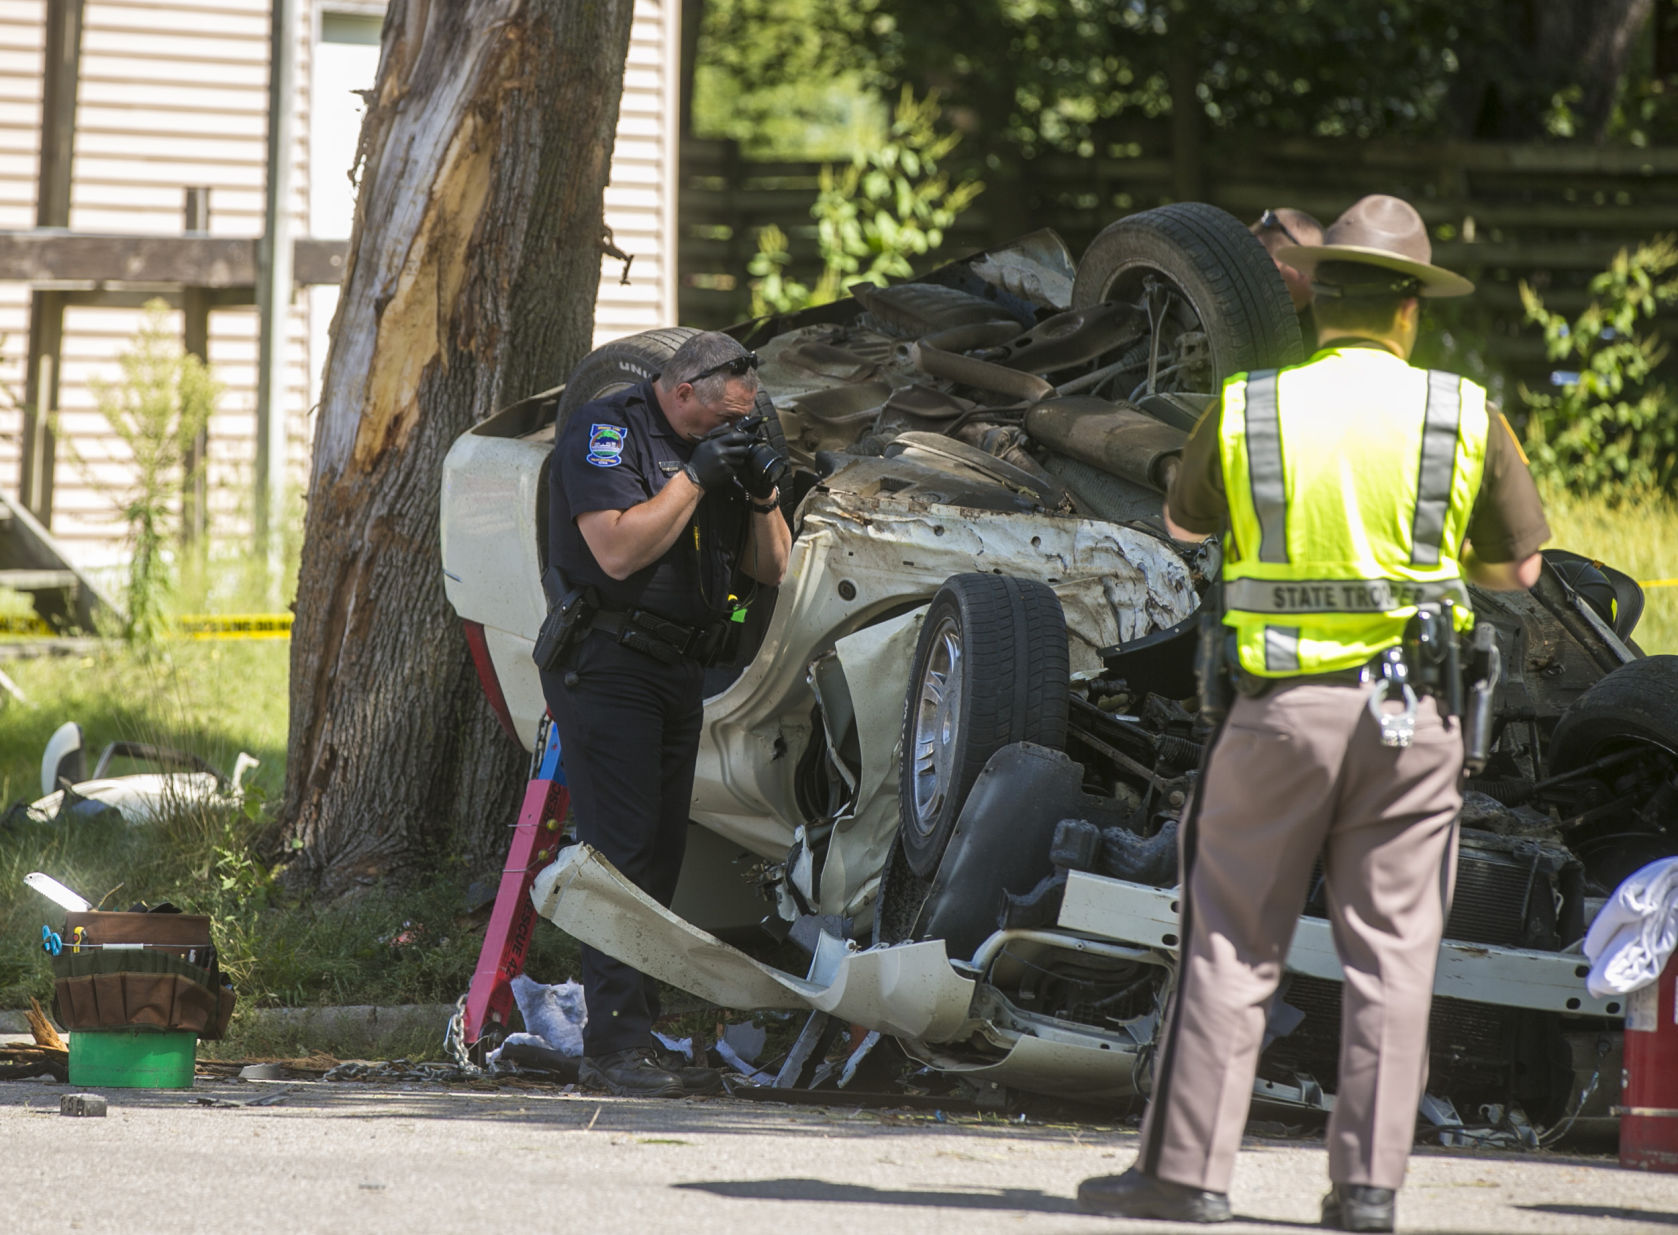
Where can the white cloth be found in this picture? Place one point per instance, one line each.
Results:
(1636, 932)
(555, 1014)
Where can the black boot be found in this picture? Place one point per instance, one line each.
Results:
(1358, 1207)
(695, 1078)
(1135, 1195)
(629, 1073)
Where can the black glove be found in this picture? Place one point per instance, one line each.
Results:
(757, 484)
(717, 457)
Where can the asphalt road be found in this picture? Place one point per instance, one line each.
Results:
(413, 1158)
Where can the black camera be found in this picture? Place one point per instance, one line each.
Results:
(763, 468)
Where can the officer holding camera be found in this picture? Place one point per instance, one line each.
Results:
(658, 494)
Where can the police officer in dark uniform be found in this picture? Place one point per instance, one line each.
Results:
(649, 520)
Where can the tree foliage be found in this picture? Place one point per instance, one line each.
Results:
(1041, 75)
(787, 79)
(873, 217)
(1611, 423)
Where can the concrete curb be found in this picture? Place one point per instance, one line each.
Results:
(354, 1031)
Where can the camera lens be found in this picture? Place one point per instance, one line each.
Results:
(766, 466)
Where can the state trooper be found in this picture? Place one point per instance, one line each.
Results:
(1352, 491)
(649, 521)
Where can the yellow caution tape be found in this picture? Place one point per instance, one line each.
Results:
(1657, 583)
(234, 626)
(25, 624)
(189, 626)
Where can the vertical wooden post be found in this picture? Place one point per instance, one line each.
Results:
(1188, 171)
(195, 333)
(52, 209)
(274, 282)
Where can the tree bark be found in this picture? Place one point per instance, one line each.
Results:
(473, 270)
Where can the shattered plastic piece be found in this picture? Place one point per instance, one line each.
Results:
(82, 1104)
(854, 1060)
(733, 1059)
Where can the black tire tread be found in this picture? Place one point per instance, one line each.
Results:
(1013, 635)
(1639, 700)
(1252, 304)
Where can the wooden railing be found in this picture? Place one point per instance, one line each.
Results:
(1552, 215)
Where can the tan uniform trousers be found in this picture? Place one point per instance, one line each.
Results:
(1295, 772)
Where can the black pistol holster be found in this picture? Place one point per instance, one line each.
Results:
(1214, 658)
(1480, 677)
(1462, 685)
(571, 612)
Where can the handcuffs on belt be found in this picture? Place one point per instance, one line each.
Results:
(1396, 729)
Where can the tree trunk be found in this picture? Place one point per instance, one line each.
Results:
(473, 271)
(1504, 89)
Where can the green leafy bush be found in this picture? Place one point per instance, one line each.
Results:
(873, 217)
(1616, 424)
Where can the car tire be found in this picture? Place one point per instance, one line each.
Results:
(1632, 709)
(1636, 703)
(991, 668)
(1216, 265)
(640, 358)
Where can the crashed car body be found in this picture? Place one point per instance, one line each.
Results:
(181, 781)
(958, 738)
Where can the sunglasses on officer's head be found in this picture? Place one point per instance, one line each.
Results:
(737, 366)
(1271, 219)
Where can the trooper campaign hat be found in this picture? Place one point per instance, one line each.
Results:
(1384, 232)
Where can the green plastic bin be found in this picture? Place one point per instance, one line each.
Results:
(133, 1058)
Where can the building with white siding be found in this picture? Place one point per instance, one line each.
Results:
(173, 95)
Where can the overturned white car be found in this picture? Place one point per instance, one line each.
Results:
(955, 746)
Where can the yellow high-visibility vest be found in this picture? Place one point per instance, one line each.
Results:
(1350, 480)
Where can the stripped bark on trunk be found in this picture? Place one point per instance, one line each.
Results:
(473, 270)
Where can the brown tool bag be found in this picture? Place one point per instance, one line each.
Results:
(170, 980)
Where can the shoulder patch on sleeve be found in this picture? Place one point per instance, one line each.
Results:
(605, 445)
(1513, 440)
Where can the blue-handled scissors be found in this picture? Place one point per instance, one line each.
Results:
(51, 942)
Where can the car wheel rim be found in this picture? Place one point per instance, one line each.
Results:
(937, 719)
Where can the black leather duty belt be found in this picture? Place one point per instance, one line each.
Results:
(660, 638)
(1253, 686)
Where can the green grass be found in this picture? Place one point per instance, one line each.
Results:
(215, 699)
(1639, 535)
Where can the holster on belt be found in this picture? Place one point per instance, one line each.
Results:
(1214, 657)
(1480, 677)
(571, 610)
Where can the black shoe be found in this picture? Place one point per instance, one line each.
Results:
(1135, 1195)
(695, 1078)
(628, 1073)
(1358, 1207)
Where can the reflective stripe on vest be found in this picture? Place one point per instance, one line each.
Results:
(1350, 482)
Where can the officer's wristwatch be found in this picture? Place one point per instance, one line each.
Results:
(764, 508)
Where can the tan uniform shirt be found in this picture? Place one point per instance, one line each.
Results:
(1506, 525)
